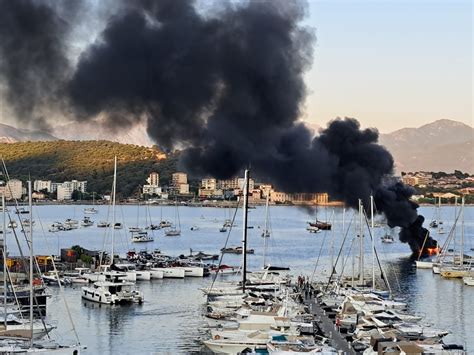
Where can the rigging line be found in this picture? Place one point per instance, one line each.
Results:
(382, 270)
(345, 260)
(319, 255)
(340, 249)
(225, 245)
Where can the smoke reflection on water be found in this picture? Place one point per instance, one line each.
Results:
(170, 319)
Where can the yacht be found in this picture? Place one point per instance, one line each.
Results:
(90, 210)
(132, 273)
(141, 237)
(114, 291)
(86, 222)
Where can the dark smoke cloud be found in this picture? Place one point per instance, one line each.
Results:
(33, 63)
(227, 86)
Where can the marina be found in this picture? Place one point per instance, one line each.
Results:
(182, 326)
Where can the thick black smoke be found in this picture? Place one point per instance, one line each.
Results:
(33, 61)
(226, 86)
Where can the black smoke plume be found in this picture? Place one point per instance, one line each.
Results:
(225, 85)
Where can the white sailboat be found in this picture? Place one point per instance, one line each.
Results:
(110, 286)
(175, 230)
(91, 210)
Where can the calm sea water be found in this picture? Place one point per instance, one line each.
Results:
(170, 320)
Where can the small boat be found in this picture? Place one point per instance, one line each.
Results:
(422, 264)
(86, 222)
(173, 232)
(225, 269)
(165, 224)
(90, 210)
(468, 280)
(103, 224)
(223, 229)
(56, 227)
(387, 238)
(434, 224)
(236, 250)
(441, 230)
(152, 227)
(12, 224)
(118, 226)
(27, 222)
(70, 224)
(194, 228)
(313, 229)
(21, 210)
(325, 226)
(141, 237)
(134, 229)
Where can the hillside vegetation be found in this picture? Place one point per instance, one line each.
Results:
(87, 160)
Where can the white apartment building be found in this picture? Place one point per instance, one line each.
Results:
(179, 178)
(39, 185)
(64, 192)
(151, 189)
(13, 189)
(154, 179)
(236, 183)
(209, 184)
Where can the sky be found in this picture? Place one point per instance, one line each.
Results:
(391, 64)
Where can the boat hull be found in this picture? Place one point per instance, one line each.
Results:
(171, 272)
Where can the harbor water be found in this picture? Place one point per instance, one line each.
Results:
(170, 320)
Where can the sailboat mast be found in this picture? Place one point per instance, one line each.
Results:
(114, 186)
(31, 260)
(244, 234)
(4, 252)
(361, 244)
(265, 230)
(373, 239)
(461, 258)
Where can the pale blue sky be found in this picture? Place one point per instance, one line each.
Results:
(391, 64)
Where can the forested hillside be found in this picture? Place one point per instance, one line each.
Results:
(88, 160)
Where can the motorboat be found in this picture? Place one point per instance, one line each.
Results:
(86, 222)
(118, 226)
(387, 238)
(90, 210)
(103, 224)
(112, 292)
(132, 273)
(141, 237)
(236, 250)
(313, 229)
(170, 272)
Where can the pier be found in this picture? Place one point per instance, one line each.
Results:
(324, 323)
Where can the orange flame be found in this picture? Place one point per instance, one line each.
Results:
(433, 251)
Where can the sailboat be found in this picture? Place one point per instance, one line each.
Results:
(91, 210)
(175, 230)
(163, 223)
(110, 286)
(266, 231)
(19, 335)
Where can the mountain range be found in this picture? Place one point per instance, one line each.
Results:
(443, 145)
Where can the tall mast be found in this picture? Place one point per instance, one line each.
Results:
(373, 239)
(361, 244)
(4, 252)
(265, 230)
(114, 186)
(244, 234)
(461, 259)
(31, 261)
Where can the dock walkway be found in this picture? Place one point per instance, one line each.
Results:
(327, 326)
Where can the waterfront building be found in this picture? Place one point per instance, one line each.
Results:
(64, 192)
(235, 183)
(153, 179)
(179, 178)
(39, 185)
(209, 184)
(151, 189)
(13, 189)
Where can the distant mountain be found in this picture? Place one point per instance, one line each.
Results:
(443, 145)
(96, 130)
(9, 134)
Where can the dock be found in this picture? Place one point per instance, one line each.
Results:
(326, 325)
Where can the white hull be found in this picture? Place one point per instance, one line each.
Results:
(424, 264)
(143, 275)
(436, 269)
(468, 281)
(193, 271)
(156, 274)
(171, 272)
